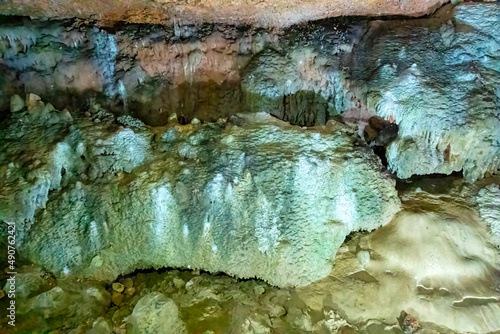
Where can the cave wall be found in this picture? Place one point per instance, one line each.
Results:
(169, 156)
(435, 77)
(252, 197)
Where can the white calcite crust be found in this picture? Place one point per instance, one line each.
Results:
(438, 80)
(254, 197)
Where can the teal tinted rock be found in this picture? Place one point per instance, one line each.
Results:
(439, 80)
(262, 198)
(16, 103)
(303, 86)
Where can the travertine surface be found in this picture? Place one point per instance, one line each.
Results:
(435, 263)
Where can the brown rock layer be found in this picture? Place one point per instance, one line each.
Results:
(265, 13)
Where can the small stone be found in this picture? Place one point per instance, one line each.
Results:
(410, 324)
(363, 258)
(117, 298)
(118, 287)
(16, 103)
(100, 326)
(179, 283)
(32, 100)
(87, 114)
(189, 285)
(259, 290)
(173, 117)
(130, 291)
(66, 115)
(195, 121)
(97, 120)
(127, 282)
(49, 107)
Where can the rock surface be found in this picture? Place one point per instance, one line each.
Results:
(251, 197)
(433, 268)
(170, 158)
(439, 82)
(435, 78)
(267, 13)
(488, 200)
(154, 313)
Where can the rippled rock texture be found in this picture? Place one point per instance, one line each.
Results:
(254, 197)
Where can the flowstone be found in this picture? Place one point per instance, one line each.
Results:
(438, 80)
(252, 197)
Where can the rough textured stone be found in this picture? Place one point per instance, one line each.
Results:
(269, 13)
(100, 326)
(155, 313)
(435, 262)
(434, 77)
(118, 287)
(262, 198)
(16, 103)
(438, 79)
(488, 200)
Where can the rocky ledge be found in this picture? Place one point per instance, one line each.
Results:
(262, 13)
(251, 196)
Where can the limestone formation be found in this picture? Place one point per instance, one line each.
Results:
(236, 167)
(439, 82)
(433, 266)
(154, 313)
(438, 86)
(254, 197)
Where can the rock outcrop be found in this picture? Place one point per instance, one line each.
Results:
(438, 80)
(252, 197)
(433, 268)
(188, 145)
(438, 85)
(265, 13)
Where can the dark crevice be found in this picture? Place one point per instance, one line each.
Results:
(182, 120)
(432, 183)
(380, 152)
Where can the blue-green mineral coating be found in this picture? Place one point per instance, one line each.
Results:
(259, 199)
